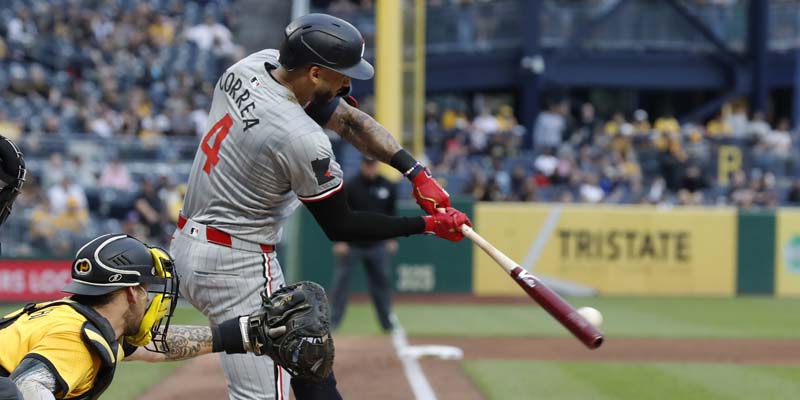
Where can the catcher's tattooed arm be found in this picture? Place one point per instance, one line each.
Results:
(363, 132)
(184, 342)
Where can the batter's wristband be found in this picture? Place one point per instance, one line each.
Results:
(227, 337)
(404, 162)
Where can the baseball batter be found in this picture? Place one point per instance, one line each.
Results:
(265, 152)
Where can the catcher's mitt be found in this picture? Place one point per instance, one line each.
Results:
(292, 327)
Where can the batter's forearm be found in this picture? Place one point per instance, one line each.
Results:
(363, 132)
(188, 341)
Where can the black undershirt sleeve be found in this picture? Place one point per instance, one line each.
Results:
(341, 224)
(321, 112)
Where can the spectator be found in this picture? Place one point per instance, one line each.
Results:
(116, 176)
(73, 220)
(549, 128)
(171, 196)
(150, 210)
(60, 194)
(22, 29)
(793, 198)
(41, 225)
(210, 35)
(590, 190)
(84, 176)
(694, 181)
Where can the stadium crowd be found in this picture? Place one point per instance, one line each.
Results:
(110, 67)
(130, 75)
(581, 157)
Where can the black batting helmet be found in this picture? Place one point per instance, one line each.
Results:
(12, 175)
(326, 41)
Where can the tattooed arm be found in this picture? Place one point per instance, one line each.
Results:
(184, 342)
(363, 132)
(372, 139)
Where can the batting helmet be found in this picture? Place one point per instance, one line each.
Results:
(12, 175)
(326, 41)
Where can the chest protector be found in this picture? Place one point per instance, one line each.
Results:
(96, 333)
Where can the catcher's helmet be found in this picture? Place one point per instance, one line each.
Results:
(12, 175)
(115, 261)
(326, 41)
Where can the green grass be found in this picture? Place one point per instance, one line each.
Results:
(134, 377)
(624, 317)
(623, 381)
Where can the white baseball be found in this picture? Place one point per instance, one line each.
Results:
(592, 315)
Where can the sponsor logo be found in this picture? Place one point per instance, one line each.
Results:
(526, 277)
(115, 278)
(791, 254)
(625, 245)
(82, 267)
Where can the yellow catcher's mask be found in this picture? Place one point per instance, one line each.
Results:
(164, 284)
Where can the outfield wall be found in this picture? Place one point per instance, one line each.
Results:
(613, 250)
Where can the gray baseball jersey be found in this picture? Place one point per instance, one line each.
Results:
(261, 153)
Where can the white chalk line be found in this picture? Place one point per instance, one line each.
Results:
(409, 356)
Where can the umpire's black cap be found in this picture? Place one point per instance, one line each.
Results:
(327, 41)
(111, 262)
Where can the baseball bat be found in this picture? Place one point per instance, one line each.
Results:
(562, 311)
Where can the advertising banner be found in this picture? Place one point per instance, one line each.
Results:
(33, 280)
(787, 253)
(611, 250)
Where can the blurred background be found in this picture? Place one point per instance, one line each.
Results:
(679, 102)
(622, 148)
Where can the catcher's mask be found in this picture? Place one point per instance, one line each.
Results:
(12, 175)
(115, 261)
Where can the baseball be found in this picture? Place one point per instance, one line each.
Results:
(592, 315)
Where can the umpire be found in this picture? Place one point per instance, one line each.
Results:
(369, 191)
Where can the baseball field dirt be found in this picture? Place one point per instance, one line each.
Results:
(367, 367)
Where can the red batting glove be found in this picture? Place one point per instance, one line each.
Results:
(447, 225)
(428, 193)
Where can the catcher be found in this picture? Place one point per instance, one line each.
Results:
(123, 296)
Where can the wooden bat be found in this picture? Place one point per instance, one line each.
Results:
(544, 296)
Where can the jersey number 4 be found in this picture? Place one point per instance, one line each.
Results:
(219, 131)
